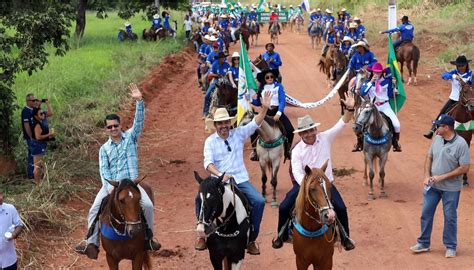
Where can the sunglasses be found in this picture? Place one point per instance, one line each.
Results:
(228, 146)
(34, 100)
(113, 126)
(269, 77)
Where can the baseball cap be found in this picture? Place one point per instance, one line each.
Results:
(444, 119)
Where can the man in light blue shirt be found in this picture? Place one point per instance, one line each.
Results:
(223, 154)
(118, 160)
(11, 224)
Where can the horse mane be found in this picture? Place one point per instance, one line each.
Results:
(301, 198)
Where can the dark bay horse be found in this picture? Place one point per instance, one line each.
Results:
(463, 113)
(377, 143)
(121, 221)
(224, 221)
(224, 96)
(244, 31)
(313, 236)
(152, 34)
(339, 67)
(325, 63)
(254, 30)
(410, 54)
(260, 63)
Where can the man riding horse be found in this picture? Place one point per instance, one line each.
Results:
(273, 20)
(223, 157)
(219, 69)
(273, 59)
(117, 162)
(314, 150)
(406, 30)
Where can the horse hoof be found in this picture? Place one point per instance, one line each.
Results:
(383, 195)
(371, 197)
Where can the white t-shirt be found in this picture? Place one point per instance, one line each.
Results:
(188, 25)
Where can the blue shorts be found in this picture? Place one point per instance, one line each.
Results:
(38, 148)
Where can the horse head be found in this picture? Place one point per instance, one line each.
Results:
(363, 117)
(466, 95)
(314, 196)
(211, 192)
(340, 63)
(125, 209)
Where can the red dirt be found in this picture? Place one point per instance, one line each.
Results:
(171, 149)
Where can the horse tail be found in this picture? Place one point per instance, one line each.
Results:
(143, 34)
(146, 261)
(416, 58)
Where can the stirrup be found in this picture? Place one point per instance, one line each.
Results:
(82, 251)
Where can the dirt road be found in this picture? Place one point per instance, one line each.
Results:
(172, 144)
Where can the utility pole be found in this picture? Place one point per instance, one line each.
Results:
(392, 14)
(157, 5)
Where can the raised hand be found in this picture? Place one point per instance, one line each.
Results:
(135, 92)
(266, 99)
(349, 101)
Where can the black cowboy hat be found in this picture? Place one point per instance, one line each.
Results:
(268, 44)
(261, 75)
(220, 55)
(460, 61)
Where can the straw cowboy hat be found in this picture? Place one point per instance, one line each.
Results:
(357, 19)
(319, 9)
(328, 10)
(313, 11)
(222, 114)
(343, 10)
(461, 60)
(353, 25)
(363, 44)
(305, 123)
(235, 55)
(347, 38)
(212, 38)
(156, 16)
(127, 24)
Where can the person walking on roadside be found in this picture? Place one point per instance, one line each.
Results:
(314, 150)
(447, 160)
(118, 160)
(223, 154)
(26, 122)
(188, 27)
(11, 227)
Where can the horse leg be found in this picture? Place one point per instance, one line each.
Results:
(401, 71)
(409, 63)
(274, 182)
(382, 162)
(264, 177)
(216, 260)
(137, 262)
(370, 161)
(301, 263)
(113, 264)
(415, 68)
(365, 182)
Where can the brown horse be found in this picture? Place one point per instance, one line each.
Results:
(313, 236)
(326, 63)
(122, 218)
(224, 96)
(260, 63)
(152, 34)
(339, 67)
(463, 112)
(410, 54)
(254, 30)
(244, 31)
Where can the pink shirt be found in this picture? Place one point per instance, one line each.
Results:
(315, 155)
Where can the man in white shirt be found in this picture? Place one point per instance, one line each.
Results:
(314, 150)
(10, 228)
(223, 154)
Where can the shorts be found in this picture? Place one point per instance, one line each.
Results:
(38, 148)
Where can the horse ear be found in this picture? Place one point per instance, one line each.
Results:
(373, 100)
(220, 178)
(139, 181)
(197, 177)
(325, 165)
(113, 183)
(307, 170)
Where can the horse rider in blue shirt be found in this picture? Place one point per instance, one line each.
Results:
(360, 29)
(166, 24)
(340, 30)
(346, 46)
(272, 58)
(204, 51)
(463, 72)
(224, 22)
(406, 30)
(207, 25)
(330, 40)
(234, 24)
(362, 58)
(253, 17)
(352, 32)
(156, 22)
(219, 69)
(312, 19)
(328, 16)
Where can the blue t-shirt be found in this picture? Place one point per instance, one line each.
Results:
(26, 117)
(276, 63)
(235, 73)
(358, 60)
(406, 31)
(220, 69)
(156, 23)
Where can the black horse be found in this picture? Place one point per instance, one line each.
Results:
(223, 218)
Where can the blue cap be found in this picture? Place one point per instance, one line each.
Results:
(444, 119)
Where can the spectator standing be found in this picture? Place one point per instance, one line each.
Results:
(26, 122)
(10, 228)
(40, 137)
(188, 26)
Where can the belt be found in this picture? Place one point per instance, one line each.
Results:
(380, 103)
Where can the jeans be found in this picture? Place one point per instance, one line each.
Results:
(11, 267)
(145, 203)
(431, 199)
(208, 96)
(257, 202)
(30, 167)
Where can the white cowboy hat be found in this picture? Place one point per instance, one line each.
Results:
(357, 19)
(343, 9)
(353, 25)
(313, 11)
(361, 43)
(235, 54)
(211, 30)
(156, 16)
(224, 16)
(291, 6)
(212, 38)
(221, 114)
(127, 24)
(347, 38)
(305, 123)
(318, 9)
(328, 10)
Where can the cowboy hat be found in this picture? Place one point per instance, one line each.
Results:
(235, 55)
(347, 38)
(328, 10)
(305, 123)
(343, 9)
(461, 60)
(357, 19)
(291, 6)
(156, 16)
(206, 37)
(222, 114)
(319, 9)
(220, 55)
(313, 11)
(377, 67)
(212, 38)
(261, 75)
(361, 43)
(224, 16)
(268, 44)
(353, 25)
(127, 24)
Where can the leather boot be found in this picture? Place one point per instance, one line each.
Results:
(346, 241)
(359, 146)
(429, 134)
(396, 146)
(91, 250)
(200, 244)
(253, 249)
(253, 155)
(277, 243)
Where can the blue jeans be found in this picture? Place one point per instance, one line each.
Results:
(207, 97)
(30, 165)
(431, 199)
(257, 202)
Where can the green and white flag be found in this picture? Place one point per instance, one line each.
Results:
(246, 83)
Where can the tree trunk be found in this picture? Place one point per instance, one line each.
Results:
(157, 4)
(81, 18)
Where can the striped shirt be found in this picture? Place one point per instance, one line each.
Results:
(229, 157)
(119, 160)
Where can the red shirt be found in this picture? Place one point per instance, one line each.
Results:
(274, 17)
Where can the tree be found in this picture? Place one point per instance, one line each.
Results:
(31, 25)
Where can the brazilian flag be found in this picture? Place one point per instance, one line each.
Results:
(397, 102)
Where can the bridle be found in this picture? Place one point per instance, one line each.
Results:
(122, 220)
(318, 209)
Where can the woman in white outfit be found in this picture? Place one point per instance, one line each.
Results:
(380, 90)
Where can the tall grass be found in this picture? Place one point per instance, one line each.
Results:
(86, 84)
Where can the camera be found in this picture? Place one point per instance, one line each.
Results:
(44, 100)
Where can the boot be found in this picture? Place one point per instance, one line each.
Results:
(253, 249)
(91, 250)
(429, 134)
(346, 242)
(359, 146)
(253, 155)
(150, 243)
(200, 244)
(277, 243)
(396, 146)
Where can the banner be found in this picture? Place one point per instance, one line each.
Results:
(292, 101)
(246, 83)
(397, 102)
(264, 17)
(305, 5)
